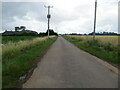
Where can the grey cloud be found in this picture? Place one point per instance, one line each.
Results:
(82, 14)
(21, 9)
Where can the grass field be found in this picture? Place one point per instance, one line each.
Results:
(9, 39)
(21, 56)
(104, 47)
(103, 39)
(10, 49)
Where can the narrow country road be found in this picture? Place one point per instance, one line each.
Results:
(66, 66)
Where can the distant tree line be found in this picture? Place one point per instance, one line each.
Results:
(21, 31)
(104, 33)
(51, 32)
(98, 33)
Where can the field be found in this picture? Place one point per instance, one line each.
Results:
(19, 56)
(7, 39)
(104, 47)
(103, 39)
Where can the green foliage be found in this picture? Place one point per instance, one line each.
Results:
(19, 65)
(6, 39)
(28, 34)
(104, 51)
(51, 32)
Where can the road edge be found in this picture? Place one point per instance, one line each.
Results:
(31, 71)
(103, 62)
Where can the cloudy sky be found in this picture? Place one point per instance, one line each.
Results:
(68, 16)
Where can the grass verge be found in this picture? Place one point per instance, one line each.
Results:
(104, 51)
(19, 65)
(6, 39)
(11, 50)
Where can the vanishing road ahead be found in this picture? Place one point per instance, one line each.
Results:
(66, 66)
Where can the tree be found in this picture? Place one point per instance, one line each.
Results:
(42, 34)
(22, 27)
(51, 32)
(16, 28)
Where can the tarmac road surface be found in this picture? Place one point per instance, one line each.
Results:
(66, 66)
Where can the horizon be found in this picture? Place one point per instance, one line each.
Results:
(74, 20)
(64, 33)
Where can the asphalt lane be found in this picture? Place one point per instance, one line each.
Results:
(66, 66)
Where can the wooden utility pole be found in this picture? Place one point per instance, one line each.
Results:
(48, 16)
(95, 20)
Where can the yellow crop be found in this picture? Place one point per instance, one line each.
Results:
(104, 39)
(14, 48)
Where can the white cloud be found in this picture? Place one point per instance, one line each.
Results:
(30, 23)
(68, 16)
(106, 28)
(78, 15)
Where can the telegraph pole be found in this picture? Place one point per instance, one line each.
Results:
(95, 20)
(48, 16)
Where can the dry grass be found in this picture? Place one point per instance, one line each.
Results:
(104, 47)
(11, 49)
(103, 39)
(20, 57)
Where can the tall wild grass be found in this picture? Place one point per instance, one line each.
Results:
(103, 47)
(10, 49)
(20, 57)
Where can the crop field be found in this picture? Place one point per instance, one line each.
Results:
(103, 39)
(19, 56)
(104, 47)
(10, 49)
(7, 39)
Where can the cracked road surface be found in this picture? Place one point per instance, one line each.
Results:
(66, 66)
